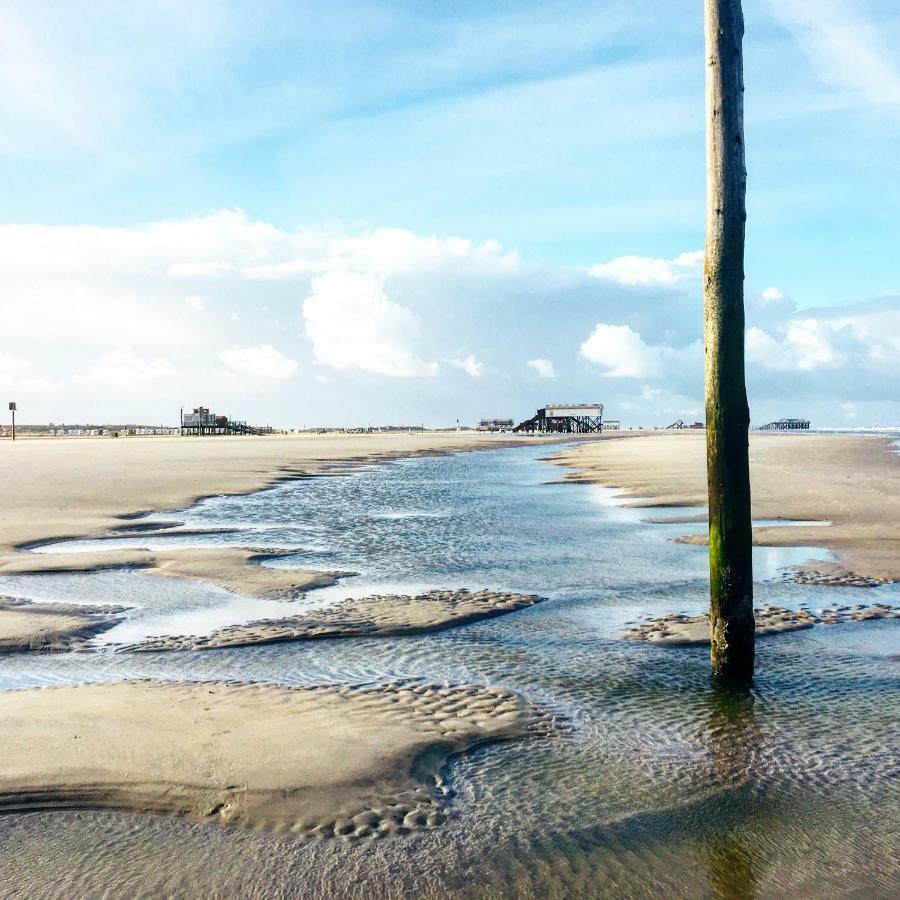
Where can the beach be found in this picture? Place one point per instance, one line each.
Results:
(67, 487)
(850, 482)
(331, 761)
(463, 715)
(57, 489)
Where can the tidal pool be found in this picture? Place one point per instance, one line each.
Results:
(651, 782)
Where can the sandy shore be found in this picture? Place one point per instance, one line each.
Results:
(77, 488)
(57, 489)
(853, 482)
(681, 631)
(51, 626)
(378, 616)
(349, 762)
(341, 761)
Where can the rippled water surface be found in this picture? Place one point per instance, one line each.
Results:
(651, 783)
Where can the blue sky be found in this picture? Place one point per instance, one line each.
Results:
(394, 209)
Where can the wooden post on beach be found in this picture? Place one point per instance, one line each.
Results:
(727, 413)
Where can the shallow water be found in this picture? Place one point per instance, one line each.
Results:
(651, 783)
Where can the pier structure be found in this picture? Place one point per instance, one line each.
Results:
(565, 418)
(679, 425)
(496, 425)
(203, 422)
(786, 425)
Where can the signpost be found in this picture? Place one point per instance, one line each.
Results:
(12, 409)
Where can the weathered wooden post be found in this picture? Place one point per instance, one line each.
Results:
(727, 414)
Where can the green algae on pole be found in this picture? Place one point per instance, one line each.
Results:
(727, 414)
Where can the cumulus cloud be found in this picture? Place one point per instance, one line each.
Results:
(263, 361)
(391, 302)
(544, 367)
(645, 270)
(621, 352)
(865, 337)
(352, 324)
(470, 365)
(195, 302)
(124, 369)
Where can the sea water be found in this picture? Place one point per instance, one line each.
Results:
(651, 781)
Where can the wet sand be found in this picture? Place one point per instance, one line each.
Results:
(86, 488)
(42, 627)
(57, 488)
(237, 569)
(337, 761)
(322, 761)
(377, 616)
(679, 630)
(853, 482)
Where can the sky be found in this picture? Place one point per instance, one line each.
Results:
(345, 213)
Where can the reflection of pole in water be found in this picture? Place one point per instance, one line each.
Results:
(731, 736)
(732, 740)
(731, 868)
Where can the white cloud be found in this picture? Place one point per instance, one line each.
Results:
(807, 345)
(470, 365)
(621, 352)
(12, 369)
(263, 361)
(762, 348)
(16, 372)
(196, 302)
(391, 302)
(352, 324)
(849, 51)
(56, 309)
(810, 341)
(124, 369)
(835, 338)
(646, 270)
(544, 367)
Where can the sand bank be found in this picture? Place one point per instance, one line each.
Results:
(377, 616)
(236, 569)
(681, 630)
(342, 761)
(51, 626)
(853, 482)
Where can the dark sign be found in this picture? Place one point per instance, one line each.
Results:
(12, 406)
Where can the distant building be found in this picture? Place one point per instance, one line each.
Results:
(678, 424)
(786, 425)
(565, 418)
(201, 417)
(611, 425)
(496, 425)
(202, 421)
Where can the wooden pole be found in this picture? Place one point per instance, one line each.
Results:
(727, 413)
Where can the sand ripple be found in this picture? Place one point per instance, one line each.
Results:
(338, 761)
(377, 616)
